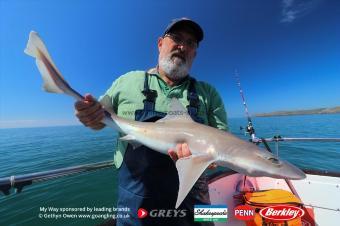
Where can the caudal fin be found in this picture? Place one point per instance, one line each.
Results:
(53, 80)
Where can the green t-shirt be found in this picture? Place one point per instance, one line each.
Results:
(126, 97)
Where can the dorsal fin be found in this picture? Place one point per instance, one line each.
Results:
(177, 112)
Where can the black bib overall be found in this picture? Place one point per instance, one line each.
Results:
(149, 180)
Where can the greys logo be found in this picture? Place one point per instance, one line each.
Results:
(167, 213)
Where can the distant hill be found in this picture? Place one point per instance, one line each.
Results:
(335, 110)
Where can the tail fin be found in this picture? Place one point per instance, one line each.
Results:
(53, 81)
(34, 43)
(49, 72)
(35, 47)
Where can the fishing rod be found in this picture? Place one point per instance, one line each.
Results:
(279, 138)
(254, 139)
(251, 130)
(18, 182)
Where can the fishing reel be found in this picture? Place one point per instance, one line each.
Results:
(250, 131)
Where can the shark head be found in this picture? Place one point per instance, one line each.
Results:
(256, 162)
(269, 165)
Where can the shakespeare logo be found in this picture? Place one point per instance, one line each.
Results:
(215, 213)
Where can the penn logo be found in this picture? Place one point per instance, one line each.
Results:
(244, 213)
(142, 213)
(282, 212)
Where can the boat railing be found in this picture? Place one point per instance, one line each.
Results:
(19, 181)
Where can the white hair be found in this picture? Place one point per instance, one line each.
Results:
(175, 69)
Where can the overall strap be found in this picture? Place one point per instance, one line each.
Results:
(193, 99)
(150, 95)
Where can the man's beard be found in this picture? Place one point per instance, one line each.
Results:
(175, 67)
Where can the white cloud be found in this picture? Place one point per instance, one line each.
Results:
(293, 9)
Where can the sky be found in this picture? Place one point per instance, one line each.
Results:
(286, 52)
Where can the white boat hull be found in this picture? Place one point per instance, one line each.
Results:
(319, 193)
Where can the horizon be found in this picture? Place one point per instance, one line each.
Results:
(78, 124)
(286, 52)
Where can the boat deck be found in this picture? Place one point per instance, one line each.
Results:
(319, 193)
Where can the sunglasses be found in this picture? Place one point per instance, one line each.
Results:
(180, 41)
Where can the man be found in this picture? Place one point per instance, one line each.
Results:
(148, 179)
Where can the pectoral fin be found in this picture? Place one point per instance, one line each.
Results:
(189, 170)
(131, 140)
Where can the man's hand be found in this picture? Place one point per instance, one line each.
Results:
(90, 112)
(181, 151)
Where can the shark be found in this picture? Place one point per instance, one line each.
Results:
(207, 144)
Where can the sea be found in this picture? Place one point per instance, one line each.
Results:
(90, 198)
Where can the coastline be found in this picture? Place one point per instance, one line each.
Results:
(317, 111)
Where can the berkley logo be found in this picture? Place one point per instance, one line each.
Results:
(282, 212)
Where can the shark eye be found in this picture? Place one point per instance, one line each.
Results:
(270, 158)
(274, 160)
